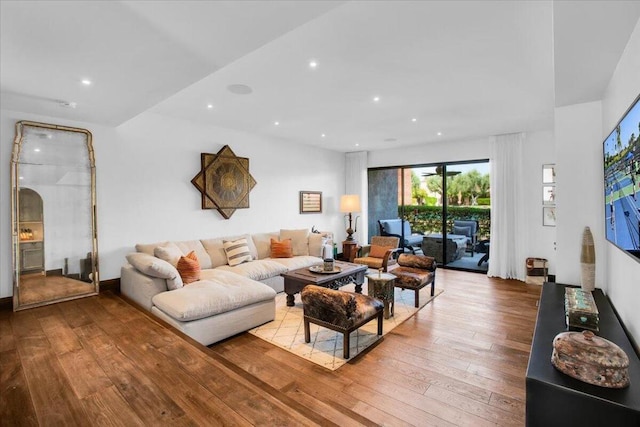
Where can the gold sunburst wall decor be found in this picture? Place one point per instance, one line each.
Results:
(224, 181)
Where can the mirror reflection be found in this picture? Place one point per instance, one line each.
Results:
(53, 198)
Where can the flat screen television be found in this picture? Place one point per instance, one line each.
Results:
(622, 182)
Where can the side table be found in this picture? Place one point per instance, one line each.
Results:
(382, 287)
(349, 250)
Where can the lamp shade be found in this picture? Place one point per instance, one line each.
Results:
(350, 203)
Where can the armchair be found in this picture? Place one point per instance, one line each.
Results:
(468, 228)
(402, 230)
(380, 253)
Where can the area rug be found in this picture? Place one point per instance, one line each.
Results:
(325, 349)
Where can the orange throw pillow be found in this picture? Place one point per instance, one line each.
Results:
(377, 251)
(281, 249)
(189, 268)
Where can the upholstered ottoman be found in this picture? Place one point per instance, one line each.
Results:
(415, 272)
(339, 311)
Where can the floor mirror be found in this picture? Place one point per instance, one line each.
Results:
(53, 215)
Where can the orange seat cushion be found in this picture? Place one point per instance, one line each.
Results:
(377, 251)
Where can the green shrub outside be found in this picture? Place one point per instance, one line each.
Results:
(428, 219)
(430, 201)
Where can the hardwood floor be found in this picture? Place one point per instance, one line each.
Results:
(461, 360)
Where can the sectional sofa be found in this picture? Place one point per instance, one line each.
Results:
(227, 299)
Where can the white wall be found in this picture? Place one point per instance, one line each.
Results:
(539, 149)
(144, 193)
(623, 272)
(579, 194)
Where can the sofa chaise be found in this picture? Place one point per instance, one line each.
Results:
(237, 279)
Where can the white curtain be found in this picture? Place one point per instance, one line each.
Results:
(508, 217)
(356, 183)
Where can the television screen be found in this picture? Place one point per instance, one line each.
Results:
(622, 182)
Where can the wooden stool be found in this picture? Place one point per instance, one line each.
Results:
(381, 286)
(339, 311)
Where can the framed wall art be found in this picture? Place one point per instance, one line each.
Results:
(549, 216)
(310, 202)
(549, 194)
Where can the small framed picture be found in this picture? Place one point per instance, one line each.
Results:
(549, 216)
(549, 194)
(548, 174)
(310, 202)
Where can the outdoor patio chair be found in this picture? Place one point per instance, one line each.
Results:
(402, 230)
(468, 228)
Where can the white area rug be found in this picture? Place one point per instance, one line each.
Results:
(325, 348)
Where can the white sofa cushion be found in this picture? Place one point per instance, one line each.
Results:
(299, 240)
(195, 245)
(297, 261)
(257, 270)
(185, 247)
(316, 244)
(228, 291)
(156, 267)
(168, 252)
(148, 248)
(262, 242)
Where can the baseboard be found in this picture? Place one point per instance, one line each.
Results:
(112, 285)
(6, 303)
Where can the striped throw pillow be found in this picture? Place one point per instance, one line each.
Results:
(237, 251)
(189, 268)
(281, 249)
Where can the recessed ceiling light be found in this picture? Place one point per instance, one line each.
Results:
(21, 177)
(210, 106)
(414, 120)
(37, 150)
(276, 123)
(86, 82)
(357, 145)
(313, 64)
(239, 89)
(439, 133)
(323, 135)
(376, 98)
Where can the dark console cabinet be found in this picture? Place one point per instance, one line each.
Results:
(555, 399)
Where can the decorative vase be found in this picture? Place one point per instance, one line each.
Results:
(588, 261)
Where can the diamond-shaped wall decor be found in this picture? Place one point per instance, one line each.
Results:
(224, 181)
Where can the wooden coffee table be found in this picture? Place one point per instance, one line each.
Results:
(295, 280)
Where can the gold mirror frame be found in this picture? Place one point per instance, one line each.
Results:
(22, 235)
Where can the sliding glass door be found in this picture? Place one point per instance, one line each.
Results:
(444, 210)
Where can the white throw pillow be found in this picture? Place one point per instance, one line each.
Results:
(156, 267)
(237, 251)
(299, 240)
(169, 252)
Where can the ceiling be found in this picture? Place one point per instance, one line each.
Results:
(461, 69)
